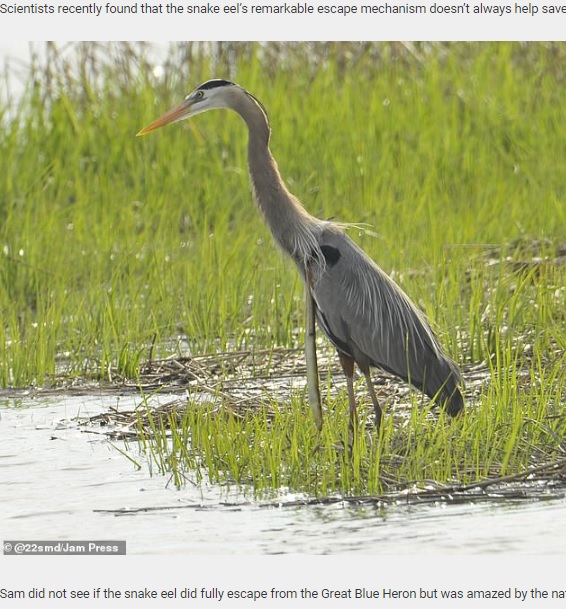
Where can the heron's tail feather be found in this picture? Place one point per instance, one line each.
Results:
(454, 402)
(443, 384)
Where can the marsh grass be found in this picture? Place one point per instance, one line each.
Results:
(113, 247)
(268, 446)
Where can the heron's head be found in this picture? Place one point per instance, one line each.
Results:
(208, 96)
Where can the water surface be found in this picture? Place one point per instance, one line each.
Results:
(60, 481)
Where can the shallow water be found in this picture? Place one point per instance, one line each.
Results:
(62, 482)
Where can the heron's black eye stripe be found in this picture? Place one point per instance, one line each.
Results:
(331, 254)
(217, 82)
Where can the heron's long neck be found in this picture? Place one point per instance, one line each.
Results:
(292, 226)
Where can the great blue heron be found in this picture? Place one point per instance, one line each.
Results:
(366, 316)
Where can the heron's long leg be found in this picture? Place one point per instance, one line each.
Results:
(371, 389)
(310, 355)
(348, 368)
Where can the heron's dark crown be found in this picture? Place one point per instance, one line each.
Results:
(217, 82)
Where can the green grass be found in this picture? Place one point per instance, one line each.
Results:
(276, 448)
(451, 154)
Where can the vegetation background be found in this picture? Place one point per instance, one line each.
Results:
(448, 157)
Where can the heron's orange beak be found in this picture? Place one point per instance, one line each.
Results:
(175, 114)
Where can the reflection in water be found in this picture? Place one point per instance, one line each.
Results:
(59, 482)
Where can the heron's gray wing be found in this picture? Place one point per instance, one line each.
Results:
(365, 314)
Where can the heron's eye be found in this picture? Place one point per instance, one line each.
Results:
(200, 94)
